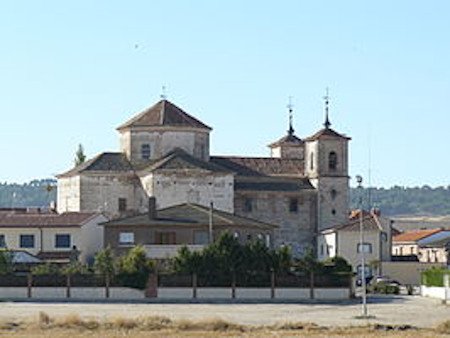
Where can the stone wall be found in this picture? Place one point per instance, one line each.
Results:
(191, 186)
(68, 194)
(295, 228)
(164, 140)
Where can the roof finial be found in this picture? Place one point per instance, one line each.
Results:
(326, 98)
(290, 106)
(163, 93)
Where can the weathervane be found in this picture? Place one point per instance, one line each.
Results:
(290, 106)
(326, 98)
(163, 93)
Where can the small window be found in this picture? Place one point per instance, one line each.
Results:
(333, 212)
(248, 204)
(145, 151)
(126, 238)
(311, 161)
(293, 205)
(2, 241)
(27, 241)
(332, 160)
(333, 194)
(62, 241)
(249, 237)
(321, 249)
(366, 248)
(201, 237)
(165, 238)
(122, 204)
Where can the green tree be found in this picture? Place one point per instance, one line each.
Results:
(310, 265)
(104, 262)
(80, 157)
(6, 264)
(134, 268)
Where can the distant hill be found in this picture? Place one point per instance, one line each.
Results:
(401, 201)
(37, 193)
(394, 202)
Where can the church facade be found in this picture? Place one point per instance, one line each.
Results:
(303, 187)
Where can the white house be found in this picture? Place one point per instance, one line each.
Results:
(51, 236)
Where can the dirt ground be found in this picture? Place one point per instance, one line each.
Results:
(397, 310)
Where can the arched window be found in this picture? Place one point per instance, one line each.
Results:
(332, 161)
(145, 151)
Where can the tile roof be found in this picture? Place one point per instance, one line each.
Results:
(108, 161)
(181, 160)
(326, 133)
(50, 220)
(414, 236)
(289, 139)
(371, 222)
(261, 166)
(164, 113)
(190, 215)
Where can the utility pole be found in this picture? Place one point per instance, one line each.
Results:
(359, 179)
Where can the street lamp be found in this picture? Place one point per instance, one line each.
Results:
(359, 180)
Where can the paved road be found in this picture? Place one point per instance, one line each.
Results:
(413, 310)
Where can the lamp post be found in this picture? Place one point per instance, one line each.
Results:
(359, 179)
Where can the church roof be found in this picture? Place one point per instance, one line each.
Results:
(261, 166)
(164, 113)
(113, 162)
(190, 215)
(289, 139)
(181, 160)
(326, 133)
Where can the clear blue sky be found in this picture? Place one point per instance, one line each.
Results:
(70, 73)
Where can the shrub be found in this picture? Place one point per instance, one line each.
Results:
(6, 265)
(384, 288)
(134, 268)
(434, 276)
(45, 269)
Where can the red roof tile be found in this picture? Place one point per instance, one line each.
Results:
(414, 236)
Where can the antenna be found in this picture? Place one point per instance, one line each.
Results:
(370, 167)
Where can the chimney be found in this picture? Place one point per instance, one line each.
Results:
(151, 207)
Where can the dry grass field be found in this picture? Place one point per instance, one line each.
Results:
(76, 326)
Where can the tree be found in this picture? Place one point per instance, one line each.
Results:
(104, 262)
(80, 157)
(6, 264)
(309, 264)
(134, 268)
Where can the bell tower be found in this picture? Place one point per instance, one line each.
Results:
(326, 165)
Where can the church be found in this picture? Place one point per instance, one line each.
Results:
(302, 188)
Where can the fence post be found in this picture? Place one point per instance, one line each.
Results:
(68, 284)
(272, 283)
(151, 289)
(107, 283)
(311, 285)
(194, 285)
(233, 284)
(29, 285)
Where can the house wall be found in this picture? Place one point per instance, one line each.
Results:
(91, 238)
(163, 140)
(406, 272)
(146, 235)
(347, 242)
(295, 229)
(326, 246)
(68, 194)
(190, 186)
